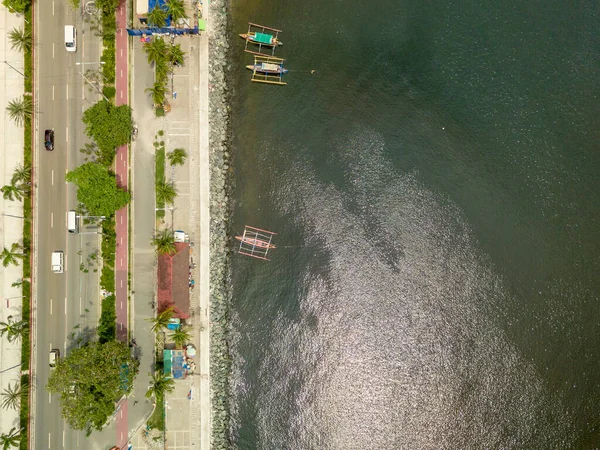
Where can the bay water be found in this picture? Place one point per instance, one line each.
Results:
(432, 171)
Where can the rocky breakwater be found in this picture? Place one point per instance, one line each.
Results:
(219, 141)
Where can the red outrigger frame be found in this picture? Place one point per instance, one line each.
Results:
(255, 242)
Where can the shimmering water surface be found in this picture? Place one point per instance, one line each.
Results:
(435, 188)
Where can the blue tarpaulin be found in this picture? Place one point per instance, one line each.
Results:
(152, 30)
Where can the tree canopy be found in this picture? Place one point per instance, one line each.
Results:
(108, 125)
(18, 6)
(97, 189)
(90, 380)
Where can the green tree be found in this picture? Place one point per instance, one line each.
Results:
(108, 125)
(157, 92)
(11, 396)
(21, 174)
(102, 373)
(20, 39)
(97, 189)
(19, 109)
(176, 55)
(165, 192)
(14, 329)
(161, 321)
(12, 439)
(176, 9)
(177, 157)
(162, 69)
(74, 4)
(107, 5)
(155, 50)
(12, 256)
(160, 384)
(181, 336)
(157, 17)
(164, 242)
(14, 191)
(17, 6)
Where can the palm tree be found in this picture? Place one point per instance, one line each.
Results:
(12, 439)
(20, 39)
(19, 109)
(181, 336)
(158, 92)
(157, 17)
(176, 9)
(164, 242)
(176, 55)
(161, 321)
(160, 385)
(11, 396)
(165, 192)
(21, 174)
(156, 50)
(11, 256)
(177, 157)
(14, 191)
(162, 68)
(13, 329)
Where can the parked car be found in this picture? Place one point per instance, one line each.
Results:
(54, 355)
(49, 140)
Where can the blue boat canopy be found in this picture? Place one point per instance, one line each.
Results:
(263, 38)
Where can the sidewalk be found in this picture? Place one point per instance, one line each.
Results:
(11, 228)
(186, 126)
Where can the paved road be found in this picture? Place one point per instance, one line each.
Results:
(64, 303)
(122, 167)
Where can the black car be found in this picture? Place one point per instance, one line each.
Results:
(49, 140)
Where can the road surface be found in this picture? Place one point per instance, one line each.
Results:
(66, 305)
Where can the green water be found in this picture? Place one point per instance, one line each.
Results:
(435, 190)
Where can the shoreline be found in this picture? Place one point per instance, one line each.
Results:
(220, 212)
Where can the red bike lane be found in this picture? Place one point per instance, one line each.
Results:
(121, 227)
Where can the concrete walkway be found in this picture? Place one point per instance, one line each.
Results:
(186, 126)
(11, 228)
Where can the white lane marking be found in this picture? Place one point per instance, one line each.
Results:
(52, 7)
(50, 313)
(121, 156)
(65, 306)
(63, 436)
(121, 262)
(53, 50)
(121, 219)
(121, 305)
(52, 219)
(121, 240)
(49, 441)
(49, 401)
(121, 283)
(79, 305)
(78, 439)
(67, 135)
(52, 174)
(121, 95)
(121, 55)
(52, 92)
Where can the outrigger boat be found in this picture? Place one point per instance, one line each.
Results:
(255, 242)
(267, 69)
(263, 37)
